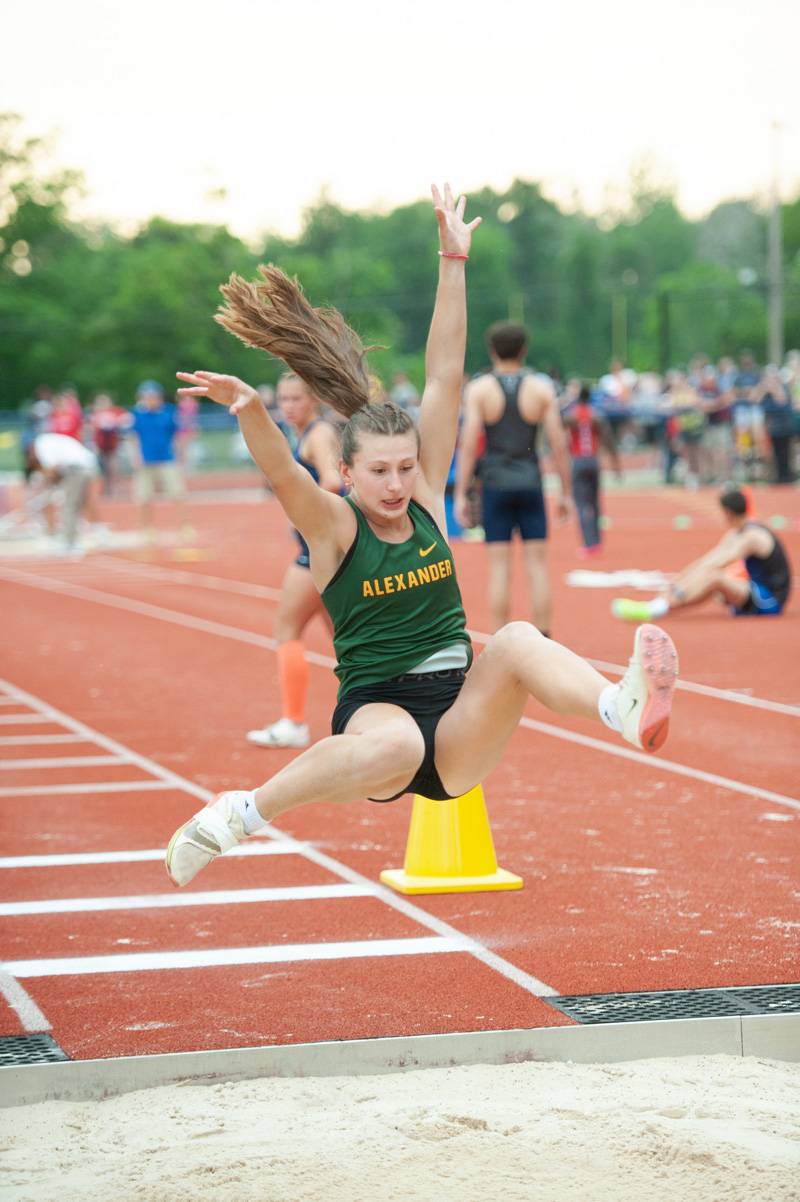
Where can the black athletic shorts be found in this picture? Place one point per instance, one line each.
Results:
(426, 696)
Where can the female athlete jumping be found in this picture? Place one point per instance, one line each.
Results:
(414, 713)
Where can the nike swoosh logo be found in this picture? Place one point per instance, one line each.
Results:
(427, 550)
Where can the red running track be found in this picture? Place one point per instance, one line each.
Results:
(665, 873)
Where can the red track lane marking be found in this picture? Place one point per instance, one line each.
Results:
(174, 575)
(263, 592)
(525, 980)
(215, 957)
(28, 1013)
(656, 763)
(232, 632)
(169, 901)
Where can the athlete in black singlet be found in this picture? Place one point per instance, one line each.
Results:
(511, 404)
(761, 589)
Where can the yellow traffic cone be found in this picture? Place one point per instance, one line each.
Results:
(450, 849)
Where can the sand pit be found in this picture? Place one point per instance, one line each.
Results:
(706, 1128)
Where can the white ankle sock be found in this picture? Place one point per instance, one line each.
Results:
(244, 802)
(659, 606)
(607, 707)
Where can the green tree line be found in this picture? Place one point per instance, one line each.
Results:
(82, 303)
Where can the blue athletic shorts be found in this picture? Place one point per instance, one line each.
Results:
(517, 509)
(760, 602)
(304, 558)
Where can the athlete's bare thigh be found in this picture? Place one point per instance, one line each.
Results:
(472, 735)
(399, 746)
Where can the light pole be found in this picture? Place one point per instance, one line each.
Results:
(775, 261)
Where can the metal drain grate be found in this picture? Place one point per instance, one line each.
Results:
(678, 1003)
(29, 1049)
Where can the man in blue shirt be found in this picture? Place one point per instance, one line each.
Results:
(152, 454)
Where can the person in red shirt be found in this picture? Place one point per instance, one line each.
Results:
(67, 415)
(587, 430)
(107, 422)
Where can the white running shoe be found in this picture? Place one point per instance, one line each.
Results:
(211, 831)
(283, 733)
(644, 701)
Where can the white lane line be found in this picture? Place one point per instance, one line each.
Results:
(22, 719)
(29, 1014)
(544, 728)
(64, 761)
(655, 763)
(255, 847)
(215, 957)
(263, 592)
(113, 786)
(50, 714)
(706, 690)
(8, 701)
(149, 611)
(176, 575)
(169, 901)
(39, 740)
(510, 971)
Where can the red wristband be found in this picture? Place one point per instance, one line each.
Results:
(446, 254)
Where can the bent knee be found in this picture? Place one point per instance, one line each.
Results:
(517, 634)
(397, 751)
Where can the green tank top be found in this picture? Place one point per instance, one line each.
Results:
(393, 604)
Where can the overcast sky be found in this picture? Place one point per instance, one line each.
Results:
(241, 111)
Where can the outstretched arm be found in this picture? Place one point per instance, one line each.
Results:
(310, 508)
(444, 356)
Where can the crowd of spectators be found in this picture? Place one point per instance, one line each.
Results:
(712, 422)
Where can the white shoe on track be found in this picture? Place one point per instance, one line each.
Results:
(283, 733)
(645, 694)
(211, 832)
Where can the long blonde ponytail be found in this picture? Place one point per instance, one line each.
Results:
(317, 344)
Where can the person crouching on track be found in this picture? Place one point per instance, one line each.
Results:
(64, 461)
(414, 714)
(762, 589)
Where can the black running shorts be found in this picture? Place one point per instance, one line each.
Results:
(426, 696)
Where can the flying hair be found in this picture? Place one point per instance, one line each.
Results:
(274, 315)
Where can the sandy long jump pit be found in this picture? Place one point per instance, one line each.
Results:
(705, 1128)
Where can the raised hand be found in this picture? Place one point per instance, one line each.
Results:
(225, 390)
(455, 235)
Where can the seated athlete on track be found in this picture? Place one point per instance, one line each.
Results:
(762, 590)
(413, 714)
